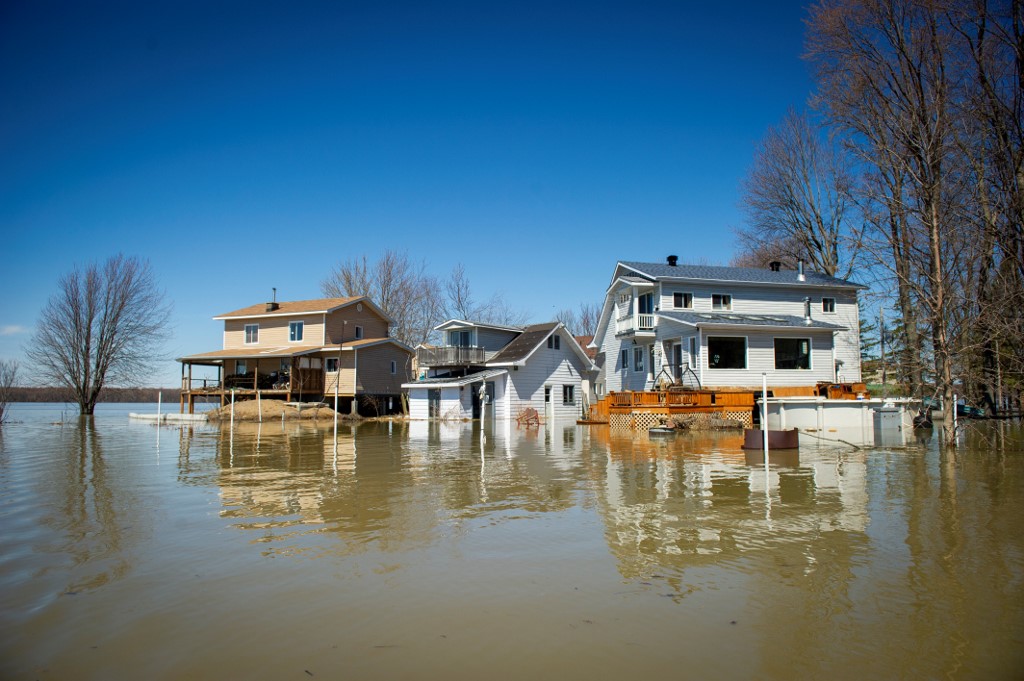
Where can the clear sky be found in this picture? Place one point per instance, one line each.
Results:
(241, 146)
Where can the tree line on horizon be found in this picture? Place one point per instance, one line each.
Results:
(908, 171)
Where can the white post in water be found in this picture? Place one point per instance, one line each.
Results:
(955, 431)
(259, 408)
(232, 410)
(764, 417)
(159, 403)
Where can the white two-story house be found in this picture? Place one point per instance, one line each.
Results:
(714, 327)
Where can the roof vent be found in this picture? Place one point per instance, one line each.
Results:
(800, 270)
(672, 260)
(775, 265)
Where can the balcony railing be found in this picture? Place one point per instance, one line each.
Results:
(638, 322)
(450, 356)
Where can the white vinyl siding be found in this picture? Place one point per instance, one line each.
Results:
(761, 358)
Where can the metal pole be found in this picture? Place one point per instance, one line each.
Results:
(232, 410)
(159, 404)
(764, 418)
(259, 408)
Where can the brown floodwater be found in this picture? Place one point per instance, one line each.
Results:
(421, 551)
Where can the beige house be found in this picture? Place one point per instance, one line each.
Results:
(305, 350)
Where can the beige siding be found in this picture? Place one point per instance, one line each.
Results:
(374, 369)
(337, 330)
(347, 386)
(273, 332)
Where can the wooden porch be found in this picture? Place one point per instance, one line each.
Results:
(296, 385)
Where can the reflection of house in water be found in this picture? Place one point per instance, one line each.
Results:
(675, 511)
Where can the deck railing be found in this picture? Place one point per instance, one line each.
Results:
(639, 322)
(451, 355)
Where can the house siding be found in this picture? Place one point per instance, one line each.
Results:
(374, 375)
(554, 368)
(493, 340)
(374, 326)
(273, 332)
(761, 358)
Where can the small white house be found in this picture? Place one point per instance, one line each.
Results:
(496, 372)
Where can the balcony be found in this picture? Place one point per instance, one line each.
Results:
(635, 323)
(450, 356)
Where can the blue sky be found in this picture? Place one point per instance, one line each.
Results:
(243, 146)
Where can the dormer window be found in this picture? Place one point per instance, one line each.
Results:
(554, 342)
(295, 331)
(721, 301)
(252, 334)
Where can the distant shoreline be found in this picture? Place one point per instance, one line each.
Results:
(147, 395)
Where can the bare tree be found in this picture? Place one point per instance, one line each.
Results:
(796, 198)
(103, 326)
(582, 321)
(8, 375)
(460, 303)
(402, 288)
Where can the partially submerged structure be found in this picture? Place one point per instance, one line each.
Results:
(501, 372)
(304, 350)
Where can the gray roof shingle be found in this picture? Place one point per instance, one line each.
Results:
(751, 275)
(523, 344)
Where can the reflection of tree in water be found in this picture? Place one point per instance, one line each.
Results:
(89, 513)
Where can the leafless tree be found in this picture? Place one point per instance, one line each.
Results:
(460, 303)
(102, 326)
(582, 321)
(797, 199)
(8, 376)
(401, 287)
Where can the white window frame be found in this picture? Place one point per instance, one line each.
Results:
(828, 305)
(810, 352)
(555, 342)
(327, 365)
(255, 328)
(294, 337)
(638, 358)
(724, 301)
(746, 353)
(243, 364)
(683, 295)
(568, 394)
(624, 359)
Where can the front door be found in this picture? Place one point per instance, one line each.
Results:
(549, 408)
(434, 403)
(677, 361)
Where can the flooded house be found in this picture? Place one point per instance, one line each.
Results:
(302, 351)
(501, 372)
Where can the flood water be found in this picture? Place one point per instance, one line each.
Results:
(416, 551)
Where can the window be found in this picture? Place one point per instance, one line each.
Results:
(240, 366)
(693, 351)
(792, 353)
(828, 304)
(623, 298)
(394, 367)
(359, 332)
(459, 339)
(638, 359)
(725, 352)
(554, 342)
(645, 304)
(252, 334)
(331, 365)
(721, 301)
(624, 364)
(683, 301)
(295, 331)
(568, 394)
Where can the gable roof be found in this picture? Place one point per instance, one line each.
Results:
(532, 337)
(653, 271)
(462, 323)
(455, 381)
(287, 308)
